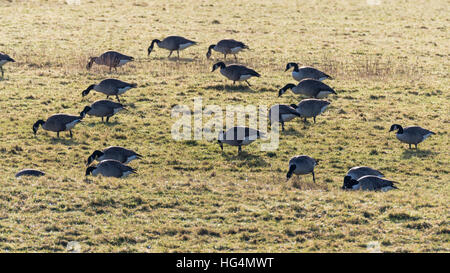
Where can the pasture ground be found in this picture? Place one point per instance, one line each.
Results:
(390, 64)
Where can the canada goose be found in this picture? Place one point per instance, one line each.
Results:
(310, 88)
(29, 172)
(238, 136)
(411, 135)
(110, 87)
(102, 108)
(172, 43)
(360, 171)
(110, 168)
(111, 59)
(113, 152)
(301, 164)
(311, 108)
(368, 183)
(227, 46)
(4, 58)
(305, 72)
(236, 72)
(285, 113)
(58, 123)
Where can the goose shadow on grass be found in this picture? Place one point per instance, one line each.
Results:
(231, 88)
(109, 124)
(65, 141)
(409, 153)
(244, 158)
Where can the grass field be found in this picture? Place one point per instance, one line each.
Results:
(391, 65)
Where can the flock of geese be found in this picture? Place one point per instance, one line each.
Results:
(113, 160)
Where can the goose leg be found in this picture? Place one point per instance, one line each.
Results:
(2, 71)
(225, 57)
(169, 54)
(178, 53)
(235, 58)
(239, 149)
(107, 119)
(314, 119)
(416, 146)
(71, 135)
(282, 126)
(314, 178)
(102, 119)
(57, 134)
(410, 146)
(248, 83)
(117, 96)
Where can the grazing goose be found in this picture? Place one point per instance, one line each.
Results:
(172, 43)
(306, 72)
(225, 47)
(236, 72)
(368, 183)
(110, 87)
(285, 113)
(110, 168)
(311, 108)
(310, 88)
(301, 164)
(238, 136)
(58, 123)
(111, 59)
(102, 108)
(114, 152)
(4, 58)
(360, 171)
(29, 172)
(411, 135)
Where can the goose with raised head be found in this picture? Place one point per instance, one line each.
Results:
(171, 43)
(305, 72)
(112, 59)
(110, 87)
(412, 134)
(302, 164)
(118, 153)
(310, 88)
(368, 183)
(238, 136)
(285, 113)
(236, 72)
(227, 46)
(58, 123)
(102, 108)
(110, 168)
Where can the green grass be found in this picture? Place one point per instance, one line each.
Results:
(390, 66)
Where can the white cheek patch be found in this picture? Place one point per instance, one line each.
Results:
(123, 90)
(323, 109)
(425, 136)
(183, 46)
(323, 94)
(245, 77)
(117, 110)
(69, 126)
(236, 49)
(95, 172)
(287, 117)
(130, 158)
(122, 62)
(385, 189)
(125, 174)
